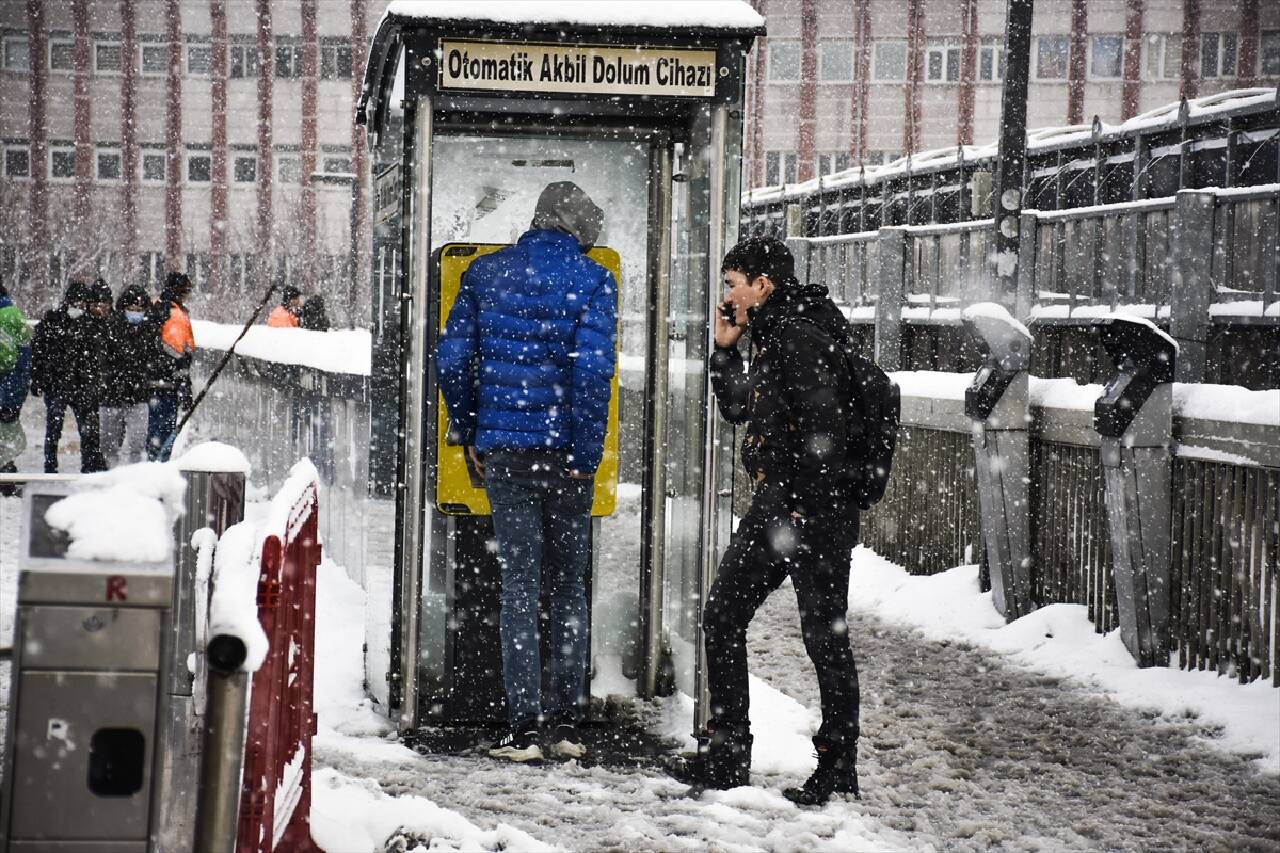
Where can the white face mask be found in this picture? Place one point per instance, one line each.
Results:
(134, 317)
(74, 312)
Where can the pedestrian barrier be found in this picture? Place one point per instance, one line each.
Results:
(275, 799)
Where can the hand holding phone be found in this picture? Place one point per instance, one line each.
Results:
(726, 325)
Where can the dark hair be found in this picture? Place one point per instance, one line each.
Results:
(132, 295)
(77, 291)
(100, 291)
(176, 282)
(314, 316)
(766, 256)
(289, 294)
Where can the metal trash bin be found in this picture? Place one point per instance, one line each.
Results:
(1134, 417)
(85, 696)
(997, 402)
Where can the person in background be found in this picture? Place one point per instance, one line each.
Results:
(170, 379)
(15, 378)
(314, 317)
(132, 344)
(64, 365)
(285, 315)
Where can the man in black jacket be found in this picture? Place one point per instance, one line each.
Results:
(132, 347)
(65, 369)
(803, 519)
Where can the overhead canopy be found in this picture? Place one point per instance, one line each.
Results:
(555, 23)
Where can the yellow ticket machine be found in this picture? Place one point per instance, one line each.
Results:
(471, 112)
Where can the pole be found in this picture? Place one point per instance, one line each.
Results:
(218, 798)
(353, 259)
(1007, 185)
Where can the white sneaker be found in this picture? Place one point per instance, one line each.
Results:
(567, 743)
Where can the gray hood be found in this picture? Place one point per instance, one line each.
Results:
(565, 207)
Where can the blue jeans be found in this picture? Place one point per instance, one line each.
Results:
(542, 521)
(162, 420)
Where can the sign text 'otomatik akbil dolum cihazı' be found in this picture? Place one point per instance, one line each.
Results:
(670, 72)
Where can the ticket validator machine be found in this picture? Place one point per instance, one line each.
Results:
(640, 104)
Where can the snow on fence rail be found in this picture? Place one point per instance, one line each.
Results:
(1225, 518)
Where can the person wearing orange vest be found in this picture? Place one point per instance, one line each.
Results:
(171, 375)
(286, 314)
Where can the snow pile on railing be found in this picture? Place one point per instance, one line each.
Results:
(338, 351)
(122, 515)
(233, 609)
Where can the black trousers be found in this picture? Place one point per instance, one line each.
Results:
(768, 546)
(87, 423)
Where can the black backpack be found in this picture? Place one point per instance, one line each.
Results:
(875, 405)
(871, 420)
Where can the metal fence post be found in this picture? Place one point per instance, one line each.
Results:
(890, 295)
(1192, 285)
(1134, 417)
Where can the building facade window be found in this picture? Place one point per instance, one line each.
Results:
(991, 61)
(835, 61)
(1162, 56)
(245, 170)
(784, 61)
(107, 164)
(830, 162)
(17, 54)
(1218, 55)
(288, 170)
(335, 62)
(199, 60)
(881, 156)
(62, 162)
(1106, 57)
(1269, 53)
(942, 60)
(151, 268)
(199, 168)
(1051, 57)
(153, 168)
(62, 55)
(889, 61)
(288, 60)
(17, 161)
(337, 165)
(155, 60)
(242, 61)
(780, 167)
(108, 57)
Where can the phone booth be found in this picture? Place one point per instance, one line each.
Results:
(472, 111)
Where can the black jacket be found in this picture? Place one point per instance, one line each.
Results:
(793, 398)
(128, 360)
(66, 355)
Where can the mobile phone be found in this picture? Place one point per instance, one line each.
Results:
(727, 312)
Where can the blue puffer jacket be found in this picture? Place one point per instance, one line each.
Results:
(527, 356)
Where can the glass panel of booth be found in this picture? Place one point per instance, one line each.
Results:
(483, 191)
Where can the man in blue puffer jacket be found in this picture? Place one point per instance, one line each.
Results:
(525, 365)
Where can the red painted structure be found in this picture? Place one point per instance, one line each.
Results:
(275, 791)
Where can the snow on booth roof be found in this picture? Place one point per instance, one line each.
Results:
(663, 14)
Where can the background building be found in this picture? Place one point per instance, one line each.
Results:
(210, 136)
(838, 83)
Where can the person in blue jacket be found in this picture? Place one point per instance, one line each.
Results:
(525, 364)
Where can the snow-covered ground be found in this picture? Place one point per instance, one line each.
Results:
(1038, 735)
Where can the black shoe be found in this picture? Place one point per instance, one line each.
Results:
(566, 742)
(836, 774)
(518, 744)
(723, 760)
